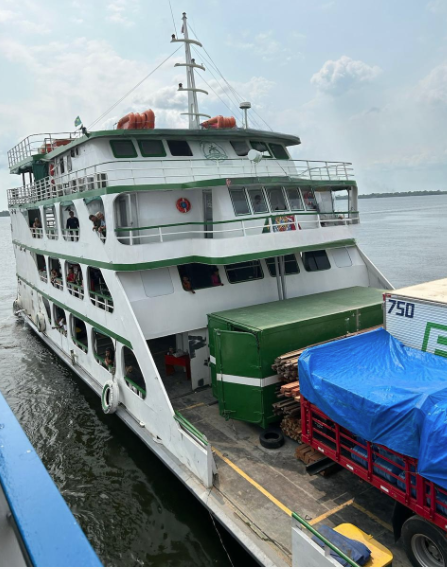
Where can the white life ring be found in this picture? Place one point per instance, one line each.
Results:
(110, 397)
(40, 322)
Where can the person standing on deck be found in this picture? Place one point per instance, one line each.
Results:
(72, 225)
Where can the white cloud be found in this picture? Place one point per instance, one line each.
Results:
(437, 6)
(433, 88)
(7, 16)
(120, 12)
(266, 46)
(337, 77)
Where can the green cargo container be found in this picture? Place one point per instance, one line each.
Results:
(244, 343)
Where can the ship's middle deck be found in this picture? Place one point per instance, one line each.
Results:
(263, 486)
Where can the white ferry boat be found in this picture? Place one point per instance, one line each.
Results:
(169, 267)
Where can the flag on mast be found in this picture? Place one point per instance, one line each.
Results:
(78, 121)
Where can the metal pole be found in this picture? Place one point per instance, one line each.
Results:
(283, 280)
(278, 282)
(193, 106)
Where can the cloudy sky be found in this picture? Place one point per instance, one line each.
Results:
(358, 80)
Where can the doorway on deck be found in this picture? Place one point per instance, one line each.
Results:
(171, 357)
(208, 213)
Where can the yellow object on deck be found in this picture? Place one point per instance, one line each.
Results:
(380, 555)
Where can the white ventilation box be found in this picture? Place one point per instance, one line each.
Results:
(417, 316)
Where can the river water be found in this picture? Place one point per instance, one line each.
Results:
(132, 509)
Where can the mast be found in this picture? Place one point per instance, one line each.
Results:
(190, 64)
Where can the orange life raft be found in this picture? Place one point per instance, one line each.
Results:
(219, 122)
(145, 120)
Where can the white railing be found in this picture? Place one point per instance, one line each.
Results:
(43, 276)
(76, 290)
(70, 234)
(51, 232)
(244, 228)
(39, 144)
(57, 283)
(101, 300)
(37, 232)
(152, 172)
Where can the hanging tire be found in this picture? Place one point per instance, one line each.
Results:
(40, 322)
(425, 544)
(16, 307)
(110, 397)
(271, 438)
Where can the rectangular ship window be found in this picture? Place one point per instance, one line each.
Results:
(179, 148)
(242, 272)
(261, 147)
(240, 147)
(278, 151)
(315, 261)
(290, 265)
(258, 201)
(240, 203)
(294, 197)
(199, 276)
(150, 148)
(309, 199)
(123, 149)
(276, 199)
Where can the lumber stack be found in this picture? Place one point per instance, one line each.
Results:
(307, 454)
(286, 407)
(291, 427)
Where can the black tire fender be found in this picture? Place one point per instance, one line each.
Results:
(271, 438)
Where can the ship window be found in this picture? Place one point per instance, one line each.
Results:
(240, 147)
(69, 163)
(341, 257)
(290, 265)
(199, 276)
(246, 271)
(79, 333)
(294, 197)
(61, 166)
(101, 345)
(276, 199)
(278, 151)
(258, 201)
(150, 148)
(315, 261)
(309, 199)
(132, 374)
(60, 319)
(261, 147)
(240, 203)
(47, 308)
(123, 149)
(179, 148)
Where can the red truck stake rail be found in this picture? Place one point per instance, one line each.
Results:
(392, 473)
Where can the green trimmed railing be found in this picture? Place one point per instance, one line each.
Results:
(189, 427)
(137, 387)
(101, 300)
(282, 221)
(326, 542)
(76, 290)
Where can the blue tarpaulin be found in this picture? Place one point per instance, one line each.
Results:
(375, 386)
(432, 462)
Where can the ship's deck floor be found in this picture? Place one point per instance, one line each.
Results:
(241, 462)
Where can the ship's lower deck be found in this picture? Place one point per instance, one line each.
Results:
(265, 485)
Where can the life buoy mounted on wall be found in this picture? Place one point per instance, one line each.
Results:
(183, 205)
(110, 397)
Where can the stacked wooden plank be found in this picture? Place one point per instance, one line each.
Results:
(307, 454)
(291, 427)
(286, 407)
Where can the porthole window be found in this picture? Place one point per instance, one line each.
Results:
(133, 376)
(151, 148)
(240, 202)
(315, 261)
(123, 149)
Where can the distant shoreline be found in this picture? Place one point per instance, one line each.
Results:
(402, 194)
(4, 213)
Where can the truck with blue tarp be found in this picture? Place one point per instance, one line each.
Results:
(379, 409)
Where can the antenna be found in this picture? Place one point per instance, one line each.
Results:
(190, 64)
(245, 106)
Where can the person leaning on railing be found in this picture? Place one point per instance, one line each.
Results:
(36, 226)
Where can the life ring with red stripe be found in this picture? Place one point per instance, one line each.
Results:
(183, 205)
